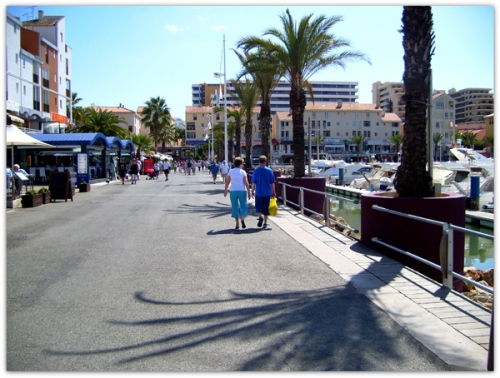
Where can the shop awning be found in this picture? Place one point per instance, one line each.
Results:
(14, 118)
(254, 143)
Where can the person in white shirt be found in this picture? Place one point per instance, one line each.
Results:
(224, 169)
(240, 190)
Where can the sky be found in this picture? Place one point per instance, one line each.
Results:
(128, 54)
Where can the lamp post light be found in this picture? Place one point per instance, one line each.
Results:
(209, 128)
(219, 75)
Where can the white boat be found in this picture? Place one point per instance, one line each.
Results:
(379, 179)
(350, 172)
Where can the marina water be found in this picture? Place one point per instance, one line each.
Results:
(479, 252)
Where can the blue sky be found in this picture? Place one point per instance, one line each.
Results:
(128, 54)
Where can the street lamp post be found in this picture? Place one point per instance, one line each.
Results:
(209, 129)
(219, 75)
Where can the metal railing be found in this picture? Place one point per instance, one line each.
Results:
(446, 242)
(326, 204)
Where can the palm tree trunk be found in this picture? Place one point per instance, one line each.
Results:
(237, 135)
(412, 178)
(248, 143)
(265, 119)
(298, 103)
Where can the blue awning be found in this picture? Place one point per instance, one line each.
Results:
(81, 139)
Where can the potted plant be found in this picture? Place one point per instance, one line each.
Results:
(45, 195)
(84, 187)
(32, 199)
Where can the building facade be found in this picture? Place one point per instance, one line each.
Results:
(472, 104)
(336, 123)
(323, 91)
(388, 96)
(38, 74)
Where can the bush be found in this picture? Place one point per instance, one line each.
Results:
(83, 183)
(31, 192)
(43, 190)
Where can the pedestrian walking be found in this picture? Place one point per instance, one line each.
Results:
(224, 170)
(263, 189)
(139, 169)
(240, 189)
(214, 169)
(166, 169)
(122, 170)
(134, 171)
(188, 167)
(193, 166)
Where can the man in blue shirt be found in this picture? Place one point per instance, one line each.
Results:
(214, 168)
(262, 189)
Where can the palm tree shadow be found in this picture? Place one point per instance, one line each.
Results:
(310, 330)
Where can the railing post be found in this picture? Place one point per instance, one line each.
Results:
(284, 193)
(301, 200)
(326, 212)
(449, 267)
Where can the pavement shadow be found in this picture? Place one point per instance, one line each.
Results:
(325, 329)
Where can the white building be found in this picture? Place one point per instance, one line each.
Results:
(38, 87)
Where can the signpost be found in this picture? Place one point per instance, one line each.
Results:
(82, 168)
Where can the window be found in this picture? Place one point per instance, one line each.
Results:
(190, 135)
(326, 115)
(366, 123)
(24, 90)
(324, 124)
(437, 125)
(190, 126)
(314, 115)
(326, 133)
(446, 115)
(367, 115)
(24, 63)
(61, 37)
(17, 58)
(313, 124)
(395, 133)
(356, 115)
(217, 117)
(17, 87)
(366, 133)
(195, 116)
(375, 134)
(354, 133)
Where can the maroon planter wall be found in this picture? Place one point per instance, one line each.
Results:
(419, 238)
(312, 201)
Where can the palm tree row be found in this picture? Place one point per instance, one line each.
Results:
(297, 52)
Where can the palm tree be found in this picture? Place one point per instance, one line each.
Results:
(102, 121)
(396, 139)
(166, 135)
(437, 138)
(142, 143)
(488, 140)
(156, 115)
(266, 72)
(180, 134)
(303, 49)
(247, 94)
(412, 178)
(468, 139)
(317, 140)
(358, 141)
(77, 112)
(231, 131)
(237, 114)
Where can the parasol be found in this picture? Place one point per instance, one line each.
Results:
(16, 137)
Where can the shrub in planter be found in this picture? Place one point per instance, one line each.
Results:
(84, 187)
(45, 195)
(32, 199)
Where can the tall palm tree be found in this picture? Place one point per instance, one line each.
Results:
(303, 49)
(266, 71)
(247, 94)
(317, 140)
(166, 135)
(102, 121)
(155, 115)
(437, 138)
(396, 139)
(412, 178)
(77, 112)
(237, 114)
(142, 143)
(358, 141)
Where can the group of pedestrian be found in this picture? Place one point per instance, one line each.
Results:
(262, 189)
(133, 168)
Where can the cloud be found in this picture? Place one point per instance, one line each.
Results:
(173, 28)
(220, 27)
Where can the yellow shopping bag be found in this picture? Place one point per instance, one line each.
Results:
(273, 206)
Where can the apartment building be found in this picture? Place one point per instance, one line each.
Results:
(388, 96)
(131, 117)
(323, 91)
(38, 72)
(443, 117)
(336, 123)
(472, 104)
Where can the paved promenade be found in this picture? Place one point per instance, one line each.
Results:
(153, 277)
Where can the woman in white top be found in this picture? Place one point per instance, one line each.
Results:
(240, 190)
